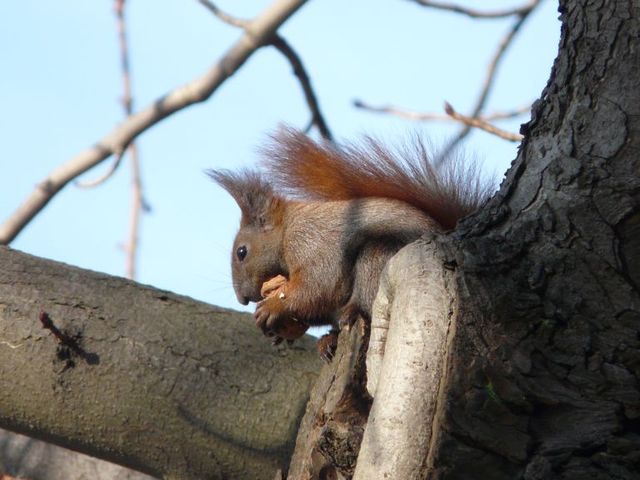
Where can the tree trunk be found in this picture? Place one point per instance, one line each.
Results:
(542, 377)
(145, 378)
(529, 312)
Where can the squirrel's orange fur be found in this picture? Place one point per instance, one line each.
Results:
(297, 165)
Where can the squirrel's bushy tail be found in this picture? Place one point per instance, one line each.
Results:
(301, 167)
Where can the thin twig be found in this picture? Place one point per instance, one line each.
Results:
(126, 99)
(105, 176)
(137, 207)
(401, 112)
(490, 75)
(480, 121)
(131, 247)
(280, 44)
(439, 117)
(497, 57)
(506, 114)
(482, 124)
(299, 71)
(470, 12)
(259, 32)
(225, 17)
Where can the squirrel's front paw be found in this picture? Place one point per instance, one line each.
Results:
(271, 316)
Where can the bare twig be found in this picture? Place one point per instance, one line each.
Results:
(470, 12)
(482, 124)
(401, 112)
(137, 207)
(506, 114)
(105, 176)
(258, 32)
(294, 59)
(225, 17)
(490, 75)
(439, 117)
(493, 65)
(428, 116)
(299, 71)
(479, 120)
(475, 119)
(131, 247)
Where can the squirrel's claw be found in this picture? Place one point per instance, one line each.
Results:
(327, 345)
(267, 317)
(261, 316)
(349, 315)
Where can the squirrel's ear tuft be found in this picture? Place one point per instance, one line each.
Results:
(254, 195)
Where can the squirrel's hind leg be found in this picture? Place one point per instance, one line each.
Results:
(368, 267)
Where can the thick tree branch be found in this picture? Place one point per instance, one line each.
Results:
(156, 382)
(411, 330)
(258, 32)
(30, 459)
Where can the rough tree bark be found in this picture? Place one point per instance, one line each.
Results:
(145, 378)
(542, 380)
(531, 308)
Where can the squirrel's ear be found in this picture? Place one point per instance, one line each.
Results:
(259, 205)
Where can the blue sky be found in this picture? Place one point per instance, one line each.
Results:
(61, 83)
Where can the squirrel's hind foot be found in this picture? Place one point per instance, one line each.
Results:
(327, 345)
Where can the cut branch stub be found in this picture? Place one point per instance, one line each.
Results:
(406, 363)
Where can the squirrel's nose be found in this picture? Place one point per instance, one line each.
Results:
(243, 300)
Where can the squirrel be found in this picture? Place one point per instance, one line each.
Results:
(328, 218)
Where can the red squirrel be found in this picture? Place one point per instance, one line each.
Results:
(328, 218)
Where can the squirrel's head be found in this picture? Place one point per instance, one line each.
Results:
(257, 250)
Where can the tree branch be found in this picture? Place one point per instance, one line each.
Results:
(475, 119)
(477, 13)
(482, 124)
(105, 176)
(258, 32)
(299, 71)
(137, 203)
(280, 44)
(156, 382)
(412, 325)
(225, 17)
(440, 117)
(34, 459)
(491, 73)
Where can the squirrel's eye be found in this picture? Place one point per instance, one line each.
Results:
(241, 252)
